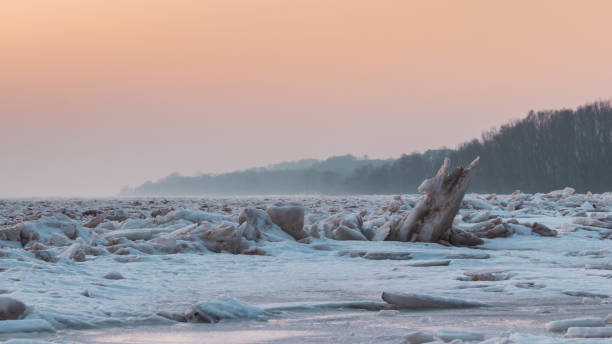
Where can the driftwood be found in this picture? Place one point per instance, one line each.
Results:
(432, 218)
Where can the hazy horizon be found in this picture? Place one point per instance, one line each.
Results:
(98, 95)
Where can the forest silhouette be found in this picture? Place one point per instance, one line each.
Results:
(544, 151)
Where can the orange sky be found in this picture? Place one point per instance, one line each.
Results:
(95, 95)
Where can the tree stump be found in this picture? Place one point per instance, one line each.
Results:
(432, 218)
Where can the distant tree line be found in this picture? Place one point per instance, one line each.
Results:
(546, 150)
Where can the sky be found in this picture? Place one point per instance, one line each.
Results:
(97, 95)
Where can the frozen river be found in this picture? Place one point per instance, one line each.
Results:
(319, 290)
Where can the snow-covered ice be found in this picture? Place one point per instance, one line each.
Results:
(138, 270)
(563, 325)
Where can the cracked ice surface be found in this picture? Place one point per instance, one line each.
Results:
(56, 266)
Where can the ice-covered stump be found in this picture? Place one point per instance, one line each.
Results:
(432, 217)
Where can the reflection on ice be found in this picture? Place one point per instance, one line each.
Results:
(194, 336)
